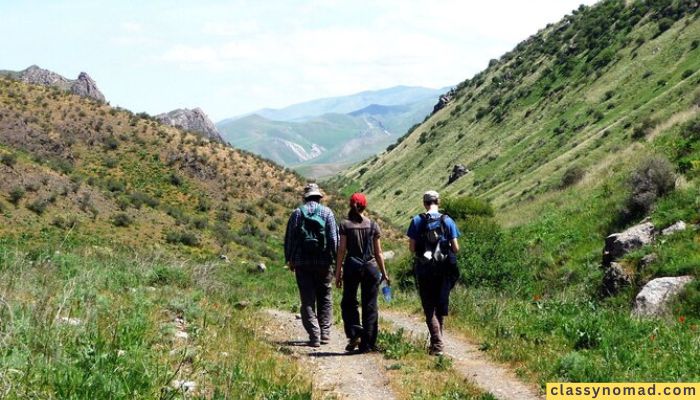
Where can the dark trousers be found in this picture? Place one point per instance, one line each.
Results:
(367, 278)
(316, 308)
(435, 282)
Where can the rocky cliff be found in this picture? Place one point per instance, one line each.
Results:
(84, 86)
(191, 120)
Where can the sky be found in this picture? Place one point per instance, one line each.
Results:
(233, 57)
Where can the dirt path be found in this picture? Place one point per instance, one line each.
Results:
(335, 374)
(470, 361)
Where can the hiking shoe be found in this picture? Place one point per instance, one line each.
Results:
(314, 343)
(352, 344)
(325, 340)
(371, 349)
(433, 351)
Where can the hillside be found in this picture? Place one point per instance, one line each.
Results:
(76, 170)
(583, 134)
(322, 144)
(581, 93)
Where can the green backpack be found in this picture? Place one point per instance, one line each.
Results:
(312, 231)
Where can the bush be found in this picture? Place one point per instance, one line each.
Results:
(138, 199)
(654, 177)
(162, 275)
(182, 237)
(16, 194)
(121, 220)
(38, 206)
(643, 129)
(9, 159)
(65, 222)
(111, 143)
(461, 208)
(175, 179)
(686, 74)
(572, 176)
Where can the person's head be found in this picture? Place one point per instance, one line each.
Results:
(358, 204)
(312, 193)
(431, 198)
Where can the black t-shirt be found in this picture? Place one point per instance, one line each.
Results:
(357, 233)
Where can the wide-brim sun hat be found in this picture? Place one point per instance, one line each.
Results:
(311, 190)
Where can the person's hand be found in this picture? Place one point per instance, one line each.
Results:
(339, 282)
(385, 277)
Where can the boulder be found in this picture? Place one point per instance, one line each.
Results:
(444, 100)
(652, 300)
(458, 171)
(242, 304)
(619, 244)
(614, 279)
(677, 227)
(224, 258)
(388, 255)
(261, 267)
(647, 260)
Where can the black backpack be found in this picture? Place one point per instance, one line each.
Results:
(312, 231)
(430, 238)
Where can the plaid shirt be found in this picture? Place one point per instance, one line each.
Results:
(292, 250)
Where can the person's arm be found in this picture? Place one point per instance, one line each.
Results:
(379, 256)
(342, 245)
(289, 241)
(332, 235)
(455, 245)
(412, 245)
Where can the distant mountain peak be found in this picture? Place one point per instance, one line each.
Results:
(84, 86)
(195, 120)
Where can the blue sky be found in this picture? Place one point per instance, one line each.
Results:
(233, 57)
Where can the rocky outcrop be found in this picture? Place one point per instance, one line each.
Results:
(458, 171)
(675, 228)
(653, 299)
(614, 279)
(83, 86)
(444, 100)
(619, 244)
(191, 120)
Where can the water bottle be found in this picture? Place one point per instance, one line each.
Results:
(386, 291)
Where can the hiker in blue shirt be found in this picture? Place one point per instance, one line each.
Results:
(433, 241)
(310, 247)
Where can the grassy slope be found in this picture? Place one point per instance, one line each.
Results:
(529, 293)
(549, 121)
(102, 190)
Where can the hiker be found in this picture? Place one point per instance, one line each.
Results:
(433, 241)
(310, 246)
(360, 263)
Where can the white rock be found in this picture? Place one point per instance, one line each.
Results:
(224, 258)
(261, 267)
(652, 300)
(187, 386)
(388, 255)
(70, 321)
(121, 353)
(619, 244)
(677, 227)
(182, 335)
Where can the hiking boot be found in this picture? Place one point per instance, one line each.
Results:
(314, 343)
(352, 344)
(369, 349)
(325, 340)
(435, 351)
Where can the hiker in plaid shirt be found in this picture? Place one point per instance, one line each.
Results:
(313, 271)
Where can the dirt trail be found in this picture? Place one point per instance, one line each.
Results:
(335, 373)
(470, 361)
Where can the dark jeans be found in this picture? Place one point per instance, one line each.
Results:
(435, 282)
(368, 279)
(316, 308)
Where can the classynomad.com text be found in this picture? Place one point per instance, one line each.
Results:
(623, 391)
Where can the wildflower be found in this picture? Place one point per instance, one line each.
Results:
(652, 338)
(536, 298)
(681, 319)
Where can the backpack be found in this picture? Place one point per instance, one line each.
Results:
(312, 231)
(431, 238)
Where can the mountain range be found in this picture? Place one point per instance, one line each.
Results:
(321, 136)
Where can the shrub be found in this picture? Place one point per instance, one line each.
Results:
(687, 73)
(200, 223)
(163, 275)
(16, 194)
(114, 185)
(121, 220)
(572, 176)
(111, 143)
(182, 237)
(38, 206)
(175, 179)
(138, 199)
(464, 207)
(65, 222)
(9, 159)
(654, 177)
(643, 129)
(203, 204)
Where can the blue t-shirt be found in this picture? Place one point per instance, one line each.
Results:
(416, 227)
